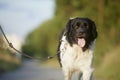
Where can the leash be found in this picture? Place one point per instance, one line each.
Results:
(28, 56)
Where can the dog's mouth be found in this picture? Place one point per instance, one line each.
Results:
(81, 39)
(81, 42)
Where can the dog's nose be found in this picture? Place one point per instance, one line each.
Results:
(82, 29)
(81, 33)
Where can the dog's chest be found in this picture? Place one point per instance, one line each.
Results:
(73, 56)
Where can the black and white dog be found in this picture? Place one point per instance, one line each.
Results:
(76, 48)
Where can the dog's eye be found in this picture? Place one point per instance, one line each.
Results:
(77, 25)
(86, 25)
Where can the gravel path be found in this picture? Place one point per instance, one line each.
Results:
(31, 70)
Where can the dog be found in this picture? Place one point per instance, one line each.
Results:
(76, 46)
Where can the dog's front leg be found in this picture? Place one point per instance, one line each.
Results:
(68, 75)
(80, 76)
(88, 75)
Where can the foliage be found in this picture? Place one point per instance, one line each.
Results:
(43, 41)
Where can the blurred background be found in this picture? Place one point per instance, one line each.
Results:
(34, 26)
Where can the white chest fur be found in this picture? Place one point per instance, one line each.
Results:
(74, 59)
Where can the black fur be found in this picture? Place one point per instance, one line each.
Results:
(58, 49)
(79, 28)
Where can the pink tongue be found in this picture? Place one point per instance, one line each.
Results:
(81, 42)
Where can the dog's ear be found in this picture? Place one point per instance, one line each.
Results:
(69, 28)
(69, 31)
(94, 31)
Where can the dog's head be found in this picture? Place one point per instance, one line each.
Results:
(81, 31)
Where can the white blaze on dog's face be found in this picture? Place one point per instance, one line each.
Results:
(81, 31)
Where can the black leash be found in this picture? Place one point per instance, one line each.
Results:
(11, 46)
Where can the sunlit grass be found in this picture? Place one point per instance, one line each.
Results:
(9, 58)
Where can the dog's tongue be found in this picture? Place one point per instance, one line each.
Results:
(81, 42)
